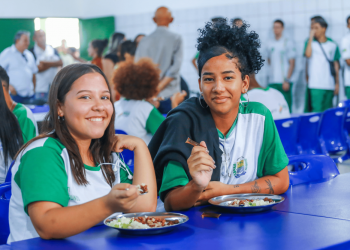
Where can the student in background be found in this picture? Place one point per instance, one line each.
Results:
(270, 97)
(24, 115)
(281, 58)
(95, 50)
(127, 51)
(72, 174)
(138, 38)
(48, 61)
(21, 67)
(345, 53)
(111, 59)
(322, 55)
(10, 136)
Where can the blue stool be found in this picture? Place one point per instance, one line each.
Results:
(308, 142)
(332, 135)
(318, 168)
(345, 103)
(5, 188)
(288, 132)
(127, 155)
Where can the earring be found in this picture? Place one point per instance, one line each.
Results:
(242, 102)
(200, 101)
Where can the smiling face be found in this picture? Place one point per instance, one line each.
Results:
(222, 85)
(87, 108)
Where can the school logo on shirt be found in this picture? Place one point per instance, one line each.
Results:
(73, 197)
(240, 167)
(126, 113)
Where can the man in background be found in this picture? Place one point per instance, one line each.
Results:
(322, 54)
(281, 58)
(165, 48)
(48, 61)
(20, 65)
(345, 53)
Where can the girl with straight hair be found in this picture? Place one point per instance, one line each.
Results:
(71, 177)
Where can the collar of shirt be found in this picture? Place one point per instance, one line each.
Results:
(162, 28)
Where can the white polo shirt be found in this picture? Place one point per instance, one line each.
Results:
(20, 68)
(345, 54)
(45, 78)
(280, 52)
(319, 71)
(273, 100)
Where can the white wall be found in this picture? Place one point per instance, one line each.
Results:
(260, 15)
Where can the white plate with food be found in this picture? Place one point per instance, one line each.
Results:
(145, 223)
(247, 203)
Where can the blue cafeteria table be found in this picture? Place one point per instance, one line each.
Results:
(314, 216)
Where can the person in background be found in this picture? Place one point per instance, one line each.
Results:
(72, 174)
(20, 65)
(137, 82)
(95, 50)
(64, 54)
(270, 97)
(165, 48)
(213, 20)
(237, 21)
(24, 115)
(281, 58)
(322, 54)
(10, 136)
(138, 38)
(48, 61)
(111, 59)
(240, 150)
(127, 51)
(345, 53)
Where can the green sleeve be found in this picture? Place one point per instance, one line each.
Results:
(26, 124)
(337, 54)
(272, 158)
(124, 175)
(42, 176)
(174, 176)
(196, 56)
(154, 120)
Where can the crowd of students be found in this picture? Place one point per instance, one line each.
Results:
(74, 166)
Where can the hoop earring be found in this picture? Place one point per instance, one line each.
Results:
(199, 99)
(242, 102)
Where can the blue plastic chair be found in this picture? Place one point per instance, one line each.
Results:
(332, 136)
(308, 142)
(5, 188)
(127, 155)
(345, 103)
(318, 168)
(288, 132)
(39, 109)
(9, 174)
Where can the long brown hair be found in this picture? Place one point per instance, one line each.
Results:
(56, 128)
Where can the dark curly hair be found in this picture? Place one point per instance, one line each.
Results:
(137, 81)
(236, 42)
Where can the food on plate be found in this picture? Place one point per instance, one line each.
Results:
(142, 188)
(251, 203)
(211, 215)
(140, 222)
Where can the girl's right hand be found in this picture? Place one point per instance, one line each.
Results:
(201, 165)
(122, 142)
(122, 197)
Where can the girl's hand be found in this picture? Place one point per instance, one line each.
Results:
(201, 165)
(122, 142)
(122, 197)
(214, 189)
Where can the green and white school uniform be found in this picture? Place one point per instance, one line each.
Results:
(251, 149)
(137, 118)
(280, 52)
(272, 99)
(345, 54)
(26, 122)
(42, 172)
(3, 167)
(321, 82)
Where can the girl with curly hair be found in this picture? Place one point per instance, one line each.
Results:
(240, 150)
(137, 82)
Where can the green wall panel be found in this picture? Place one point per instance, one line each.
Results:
(94, 28)
(9, 27)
